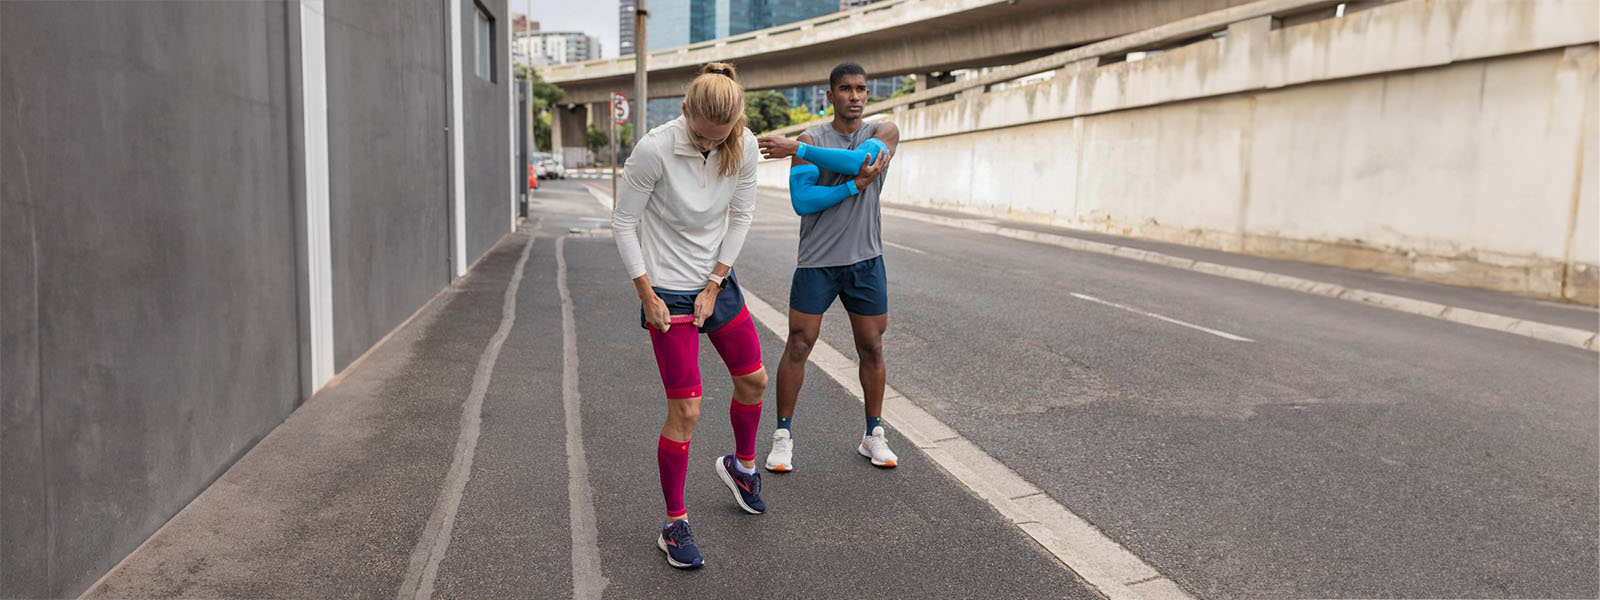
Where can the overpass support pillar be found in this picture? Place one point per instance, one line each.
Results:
(569, 125)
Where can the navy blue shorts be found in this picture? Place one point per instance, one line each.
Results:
(862, 287)
(730, 302)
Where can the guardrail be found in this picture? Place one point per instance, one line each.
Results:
(1177, 30)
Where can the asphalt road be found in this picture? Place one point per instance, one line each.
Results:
(1245, 441)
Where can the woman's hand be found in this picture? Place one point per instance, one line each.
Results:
(705, 303)
(655, 313)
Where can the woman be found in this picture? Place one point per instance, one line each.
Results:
(684, 204)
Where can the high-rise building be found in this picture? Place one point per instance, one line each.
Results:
(521, 24)
(625, 27)
(750, 15)
(555, 47)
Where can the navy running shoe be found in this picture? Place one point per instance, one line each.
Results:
(677, 540)
(746, 488)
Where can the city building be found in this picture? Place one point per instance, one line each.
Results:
(521, 24)
(625, 27)
(554, 47)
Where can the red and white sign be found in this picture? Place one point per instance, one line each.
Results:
(619, 109)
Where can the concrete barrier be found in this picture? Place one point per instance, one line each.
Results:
(1443, 140)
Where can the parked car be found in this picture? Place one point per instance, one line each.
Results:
(538, 168)
(549, 166)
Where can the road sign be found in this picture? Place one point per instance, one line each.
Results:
(619, 109)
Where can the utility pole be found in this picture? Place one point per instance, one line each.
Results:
(640, 91)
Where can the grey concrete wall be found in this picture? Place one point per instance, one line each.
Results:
(388, 80)
(488, 127)
(148, 269)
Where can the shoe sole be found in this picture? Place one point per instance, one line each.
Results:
(882, 465)
(734, 487)
(661, 543)
(779, 468)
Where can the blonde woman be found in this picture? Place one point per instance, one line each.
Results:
(684, 204)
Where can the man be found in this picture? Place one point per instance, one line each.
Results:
(834, 184)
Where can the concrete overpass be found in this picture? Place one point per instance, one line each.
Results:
(894, 37)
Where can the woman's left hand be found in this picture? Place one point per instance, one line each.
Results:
(704, 304)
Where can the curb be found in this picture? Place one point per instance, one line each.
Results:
(1566, 336)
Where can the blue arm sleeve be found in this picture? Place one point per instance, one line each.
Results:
(841, 161)
(810, 198)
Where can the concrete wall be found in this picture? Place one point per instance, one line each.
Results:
(1434, 139)
(487, 106)
(154, 262)
(389, 203)
(148, 265)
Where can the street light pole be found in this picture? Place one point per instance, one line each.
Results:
(640, 93)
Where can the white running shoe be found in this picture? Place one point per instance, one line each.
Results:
(781, 459)
(876, 447)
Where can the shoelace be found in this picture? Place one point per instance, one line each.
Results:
(875, 443)
(754, 479)
(681, 534)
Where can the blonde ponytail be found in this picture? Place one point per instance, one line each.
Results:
(716, 96)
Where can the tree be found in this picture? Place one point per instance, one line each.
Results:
(907, 85)
(765, 111)
(800, 114)
(598, 139)
(544, 95)
(541, 132)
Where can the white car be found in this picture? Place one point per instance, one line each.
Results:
(548, 166)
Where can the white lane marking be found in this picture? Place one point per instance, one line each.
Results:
(1112, 569)
(601, 197)
(902, 247)
(435, 541)
(1221, 334)
(588, 581)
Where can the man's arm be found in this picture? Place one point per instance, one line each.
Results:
(804, 194)
(809, 198)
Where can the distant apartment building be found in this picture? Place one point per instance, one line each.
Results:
(554, 47)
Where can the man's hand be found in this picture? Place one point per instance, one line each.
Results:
(705, 303)
(870, 169)
(656, 315)
(777, 146)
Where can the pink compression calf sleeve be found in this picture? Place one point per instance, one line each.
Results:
(746, 418)
(672, 460)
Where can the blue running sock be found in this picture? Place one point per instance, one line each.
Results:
(873, 422)
(783, 423)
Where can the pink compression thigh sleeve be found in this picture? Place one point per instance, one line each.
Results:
(738, 345)
(678, 357)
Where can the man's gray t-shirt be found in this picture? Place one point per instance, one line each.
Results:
(849, 232)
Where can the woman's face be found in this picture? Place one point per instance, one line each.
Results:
(704, 134)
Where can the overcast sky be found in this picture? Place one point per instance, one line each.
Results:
(594, 17)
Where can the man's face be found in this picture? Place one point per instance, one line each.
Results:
(849, 96)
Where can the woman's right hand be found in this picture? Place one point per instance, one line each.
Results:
(655, 313)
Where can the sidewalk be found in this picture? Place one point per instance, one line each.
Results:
(336, 501)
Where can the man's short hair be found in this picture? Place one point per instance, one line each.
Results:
(848, 68)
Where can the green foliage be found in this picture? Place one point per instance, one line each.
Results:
(541, 132)
(598, 138)
(765, 111)
(907, 86)
(800, 114)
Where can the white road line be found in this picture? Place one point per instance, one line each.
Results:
(1221, 334)
(588, 580)
(1112, 569)
(902, 247)
(435, 540)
